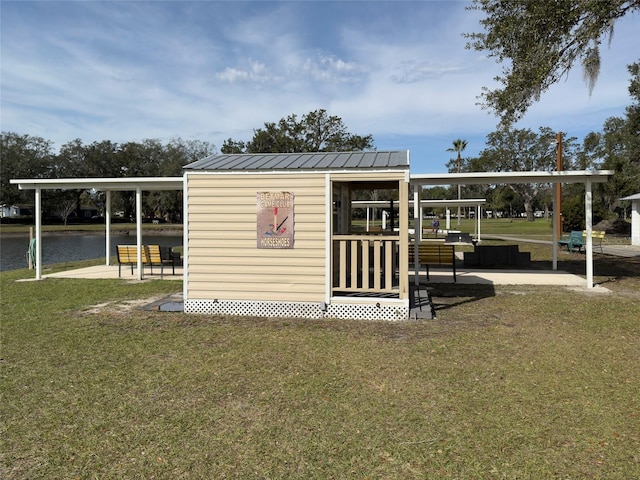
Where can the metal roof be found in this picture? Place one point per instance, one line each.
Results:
(303, 161)
(632, 197)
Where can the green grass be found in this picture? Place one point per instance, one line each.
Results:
(541, 227)
(509, 382)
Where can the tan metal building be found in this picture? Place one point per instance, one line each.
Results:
(272, 235)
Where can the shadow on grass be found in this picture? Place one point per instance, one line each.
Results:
(621, 274)
(449, 295)
(613, 268)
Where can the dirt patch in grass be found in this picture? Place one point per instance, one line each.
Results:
(121, 307)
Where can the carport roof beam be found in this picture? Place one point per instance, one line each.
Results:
(102, 184)
(495, 178)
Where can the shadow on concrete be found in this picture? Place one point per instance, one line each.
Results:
(427, 300)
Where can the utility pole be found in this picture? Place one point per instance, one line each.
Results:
(557, 215)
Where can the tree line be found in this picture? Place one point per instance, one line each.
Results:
(617, 147)
(537, 42)
(27, 156)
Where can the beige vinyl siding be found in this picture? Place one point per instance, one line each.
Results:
(224, 261)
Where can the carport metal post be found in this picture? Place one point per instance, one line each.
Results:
(107, 225)
(38, 202)
(478, 216)
(139, 229)
(417, 232)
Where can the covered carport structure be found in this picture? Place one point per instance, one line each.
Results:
(106, 185)
(464, 202)
(556, 178)
(443, 203)
(140, 184)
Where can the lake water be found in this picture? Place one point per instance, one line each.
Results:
(69, 248)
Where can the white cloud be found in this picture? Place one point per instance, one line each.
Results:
(255, 71)
(328, 68)
(412, 71)
(214, 70)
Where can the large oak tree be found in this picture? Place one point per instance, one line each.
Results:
(539, 42)
(314, 132)
(521, 150)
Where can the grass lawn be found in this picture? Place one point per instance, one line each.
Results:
(515, 382)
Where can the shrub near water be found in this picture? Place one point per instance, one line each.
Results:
(508, 382)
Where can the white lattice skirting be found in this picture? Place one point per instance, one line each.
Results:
(355, 311)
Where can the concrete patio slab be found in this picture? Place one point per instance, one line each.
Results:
(504, 277)
(111, 271)
(464, 276)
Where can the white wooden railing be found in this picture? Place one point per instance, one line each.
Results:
(365, 264)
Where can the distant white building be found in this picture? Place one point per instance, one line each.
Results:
(13, 211)
(635, 218)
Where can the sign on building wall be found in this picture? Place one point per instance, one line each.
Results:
(275, 219)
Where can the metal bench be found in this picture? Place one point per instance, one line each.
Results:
(573, 241)
(158, 256)
(435, 255)
(578, 239)
(152, 255)
(596, 236)
(127, 255)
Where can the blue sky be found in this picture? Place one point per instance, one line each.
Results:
(129, 71)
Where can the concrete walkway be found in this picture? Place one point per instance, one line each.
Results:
(503, 277)
(617, 250)
(111, 271)
(421, 307)
(464, 276)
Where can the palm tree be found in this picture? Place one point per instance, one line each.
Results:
(458, 146)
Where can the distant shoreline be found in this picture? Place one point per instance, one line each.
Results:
(169, 232)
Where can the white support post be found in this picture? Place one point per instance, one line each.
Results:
(478, 217)
(368, 217)
(139, 229)
(418, 218)
(588, 219)
(107, 226)
(38, 205)
(417, 237)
